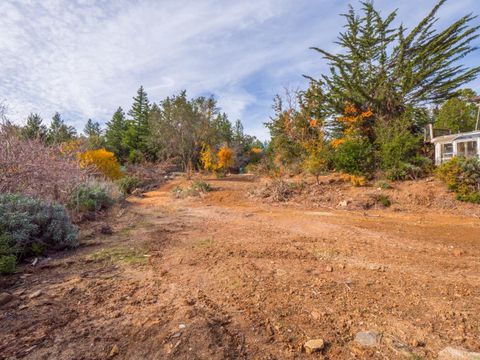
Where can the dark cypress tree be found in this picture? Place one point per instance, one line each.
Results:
(389, 70)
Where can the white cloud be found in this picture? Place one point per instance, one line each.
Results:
(84, 58)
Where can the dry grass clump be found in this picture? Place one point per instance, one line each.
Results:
(280, 190)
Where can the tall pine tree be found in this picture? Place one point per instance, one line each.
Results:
(60, 132)
(138, 130)
(92, 128)
(34, 128)
(115, 135)
(93, 132)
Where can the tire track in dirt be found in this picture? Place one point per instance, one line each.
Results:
(227, 277)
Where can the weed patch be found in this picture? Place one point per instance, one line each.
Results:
(127, 256)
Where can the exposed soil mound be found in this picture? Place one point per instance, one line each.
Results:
(331, 192)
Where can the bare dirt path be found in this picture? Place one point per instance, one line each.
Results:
(227, 277)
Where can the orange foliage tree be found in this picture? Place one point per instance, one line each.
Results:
(225, 158)
(218, 163)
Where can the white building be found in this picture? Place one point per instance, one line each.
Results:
(463, 144)
(448, 145)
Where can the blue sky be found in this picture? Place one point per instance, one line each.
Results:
(84, 58)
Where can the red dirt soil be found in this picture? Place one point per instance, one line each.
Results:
(228, 276)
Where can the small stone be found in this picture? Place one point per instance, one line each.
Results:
(114, 351)
(368, 338)
(190, 301)
(35, 262)
(457, 252)
(450, 353)
(376, 267)
(182, 326)
(329, 269)
(417, 342)
(343, 203)
(315, 314)
(5, 298)
(314, 345)
(398, 346)
(35, 294)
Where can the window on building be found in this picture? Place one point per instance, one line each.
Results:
(447, 151)
(467, 148)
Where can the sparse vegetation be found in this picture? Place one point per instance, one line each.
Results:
(462, 176)
(346, 266)
(90, 197)
(128, 183)
(29, 226)
(196, 189)
(383, 185)
(280, 190)
(122, 255)
(383, 199)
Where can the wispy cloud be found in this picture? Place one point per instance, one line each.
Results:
(84, 58)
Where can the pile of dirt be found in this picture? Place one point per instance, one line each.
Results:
(333, 192)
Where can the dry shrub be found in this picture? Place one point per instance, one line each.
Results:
(30, 167)
(150, 175)
(280, 190)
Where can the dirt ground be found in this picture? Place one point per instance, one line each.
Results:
(228, 276)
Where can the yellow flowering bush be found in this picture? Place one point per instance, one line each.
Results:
(102, 161)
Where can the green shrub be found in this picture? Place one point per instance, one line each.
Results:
(197, 188)
(463, 177)
(29, 226)
(383, 185)
(355, 157)
(8, 264)
(201, 186)
(397, 145)
(417, 168)
(128, 183)
(384, 200)
(90, 197)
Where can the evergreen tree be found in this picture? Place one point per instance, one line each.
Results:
(60, 132)
(384, 68)
(92, 128)
(138, 131)
(34, 129)
(115, 135)
(458, 114)
(221, 129)
(93, 131)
